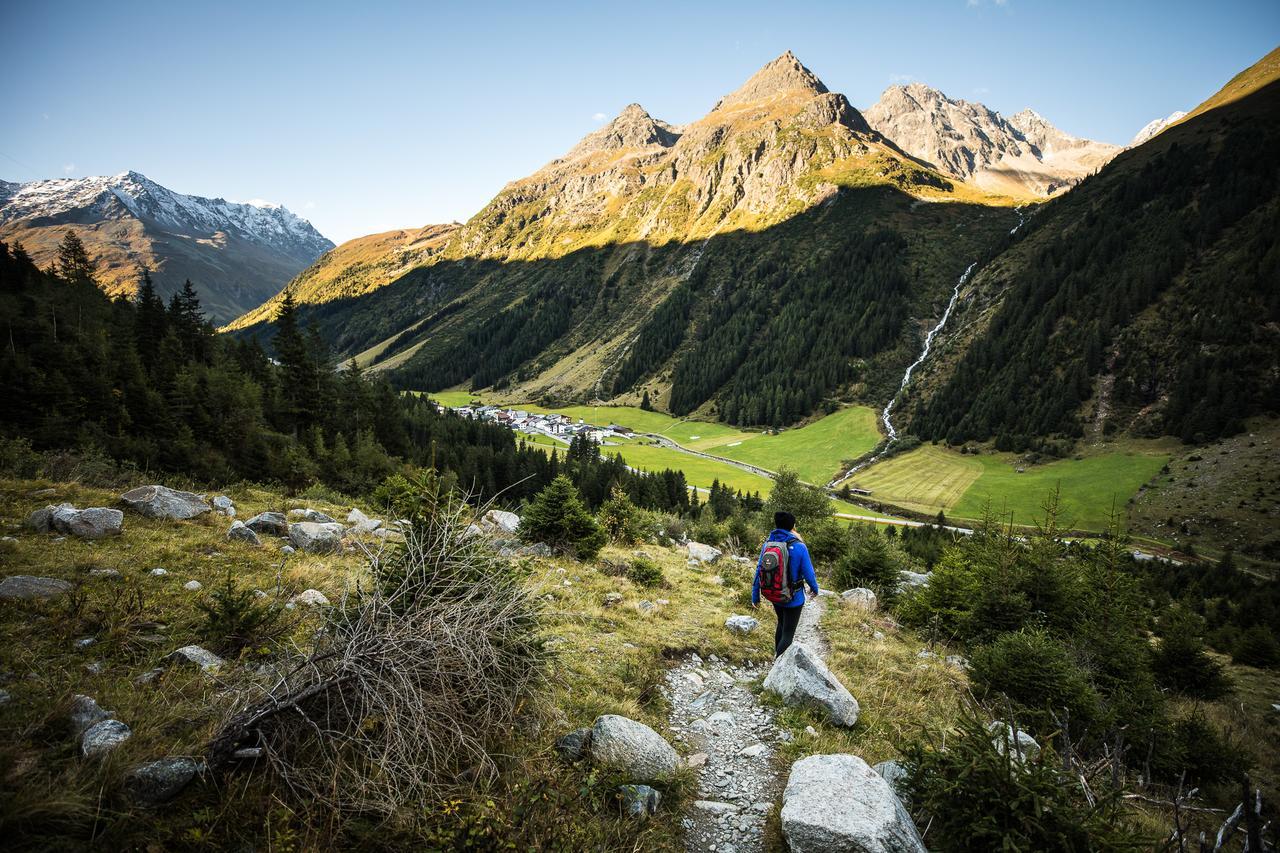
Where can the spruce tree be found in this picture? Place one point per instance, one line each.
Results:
(558, 517)
(74, 264)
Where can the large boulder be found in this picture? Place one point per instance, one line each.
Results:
(241, 532)
(157, 782)
(837, 803)
(164, 502)
(102, 737)
(634, 748)
(316, 537)
(269, 524)
(892, 772)
(801, 678)
(703, 553)
(96, 522)
(500, 521)
(29, 588)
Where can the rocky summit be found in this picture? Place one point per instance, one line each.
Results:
(1023, 155)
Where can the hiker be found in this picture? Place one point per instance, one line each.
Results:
(782, 571)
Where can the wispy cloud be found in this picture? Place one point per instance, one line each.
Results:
(68, 168)
(901, 78)
(598, 117)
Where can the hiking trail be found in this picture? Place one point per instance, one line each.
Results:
(715, 712)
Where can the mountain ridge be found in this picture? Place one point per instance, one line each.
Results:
(237, 253)
(1022, 155)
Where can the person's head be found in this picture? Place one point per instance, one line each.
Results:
(783, 520)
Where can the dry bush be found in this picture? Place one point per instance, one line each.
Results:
(410, 684)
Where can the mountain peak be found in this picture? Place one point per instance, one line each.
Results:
(783, 76)
(633, 129)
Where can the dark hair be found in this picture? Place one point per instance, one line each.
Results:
(783, 520)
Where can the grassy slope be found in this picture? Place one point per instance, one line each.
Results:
(609, 659)
(931, 478)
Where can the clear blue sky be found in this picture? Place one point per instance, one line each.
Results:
(369, 116)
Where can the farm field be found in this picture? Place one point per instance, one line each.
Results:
(814, 451)
(931, 478)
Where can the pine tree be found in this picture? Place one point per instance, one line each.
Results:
(74, 264)
(645, 404)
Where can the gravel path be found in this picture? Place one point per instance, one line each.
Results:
(715, 714)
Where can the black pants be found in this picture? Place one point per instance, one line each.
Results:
(788, 619)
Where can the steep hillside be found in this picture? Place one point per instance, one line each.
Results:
(354, 268)
(237, 254)
(610, 270)
(1145, 301)
(1023, 155)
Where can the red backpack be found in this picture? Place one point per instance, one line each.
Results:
(774, 572)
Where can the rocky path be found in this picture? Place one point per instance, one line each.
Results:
(719, 724)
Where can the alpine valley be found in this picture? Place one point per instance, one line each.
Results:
(787, 252)
(236, 254)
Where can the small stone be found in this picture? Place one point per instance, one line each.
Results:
(287, 550)
(698, 759)
(102, 737)
(5, 697)
(957, 661)
(158, 573)
(198, 657)
(28, 588)
(94, 667)
(193, 586)
(85, 712)
(158, 782)
(810, 731)
(740, 624)
(311, 598)
(109, 574)
(240, 532)
(639, 801)
(716, 807)
(85, 642)
(754, 751)
(612, 598)
(224, 505)
(573, 745)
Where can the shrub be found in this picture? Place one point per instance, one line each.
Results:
(235, 619)
(1194, 746)
(623, 521)
(975, 798)
(558, 517)
(828, 541)
(1036, 673)
(808, 504)
(707, 529)
(872, 561)
(1181, 663)
(1257, 647)
(412, 687)
(645, 572)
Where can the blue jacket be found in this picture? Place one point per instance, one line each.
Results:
(799, 564)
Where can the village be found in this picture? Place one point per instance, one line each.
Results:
(558, 427)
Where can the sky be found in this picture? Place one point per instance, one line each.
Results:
(372, 116)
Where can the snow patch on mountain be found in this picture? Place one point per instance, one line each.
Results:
(136, 195)
(1155, 126)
